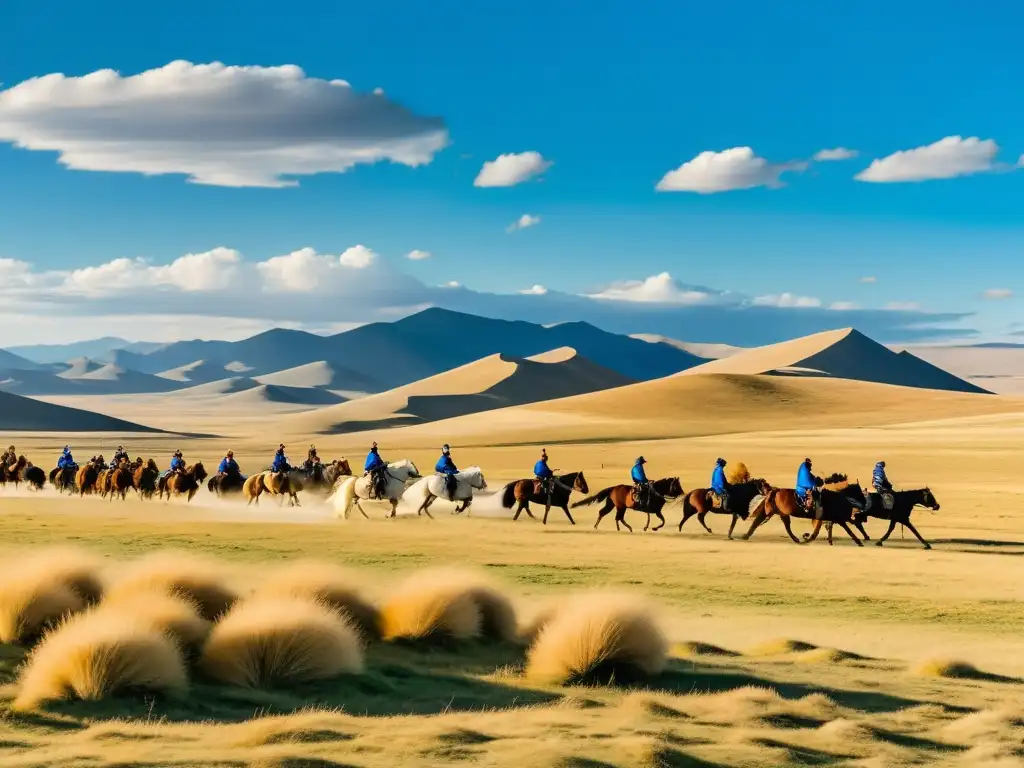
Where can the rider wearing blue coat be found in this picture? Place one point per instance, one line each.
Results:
(373, 460)
(806, 481)
(177, 462)
(228, 465)
(879, 479)
(445, 466)
(65, 459)
(541, 470)
(639, 477)
(280, 463)
(373, 467)
(719, 483)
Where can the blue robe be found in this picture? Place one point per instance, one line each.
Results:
(805, 481)
(373, 461)
(541, 470)
(177, 463)
(880, 480)
(445, 465)
(718, 482)
(65, 460)
(280, 463)
(638, 474)
(228, 466)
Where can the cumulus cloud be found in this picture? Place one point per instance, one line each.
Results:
(657, 289)
(786, 300)
(357, 257)
(306, 271)
(996, 294)
(736, 168)
(945, 159)
(418, 255)
(832, 155)
(523, 222)
(537, 290)
(194, 272)
(511, 169)
(245, 126)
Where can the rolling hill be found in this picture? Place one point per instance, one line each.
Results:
(78, 367)
(23, 414)
(700, 349)
(496, 381)
(322, 375)
(843, 354)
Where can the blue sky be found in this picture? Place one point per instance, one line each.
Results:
(614, 96)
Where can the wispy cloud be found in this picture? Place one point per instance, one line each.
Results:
(945, 159)
(523, 222)
(870, 279)
(997, 294)
(418, 255)
(833, 155)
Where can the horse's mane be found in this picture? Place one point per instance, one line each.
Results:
(835, 477)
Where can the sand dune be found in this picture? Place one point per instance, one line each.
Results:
(707, 351)
(23, 414)
(497, 381)
(272, 393)
(215, 389)
(844, 354)
(321, 374)
(198, 372)
(79, 367)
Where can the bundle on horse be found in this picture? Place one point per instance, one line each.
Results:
(11, 473)
(622, 497)
(903, 504)
(145, 479)
(352, 490)
(428, 489)
(184, 483)
(743, 499)
(530, 489)
(836, 502)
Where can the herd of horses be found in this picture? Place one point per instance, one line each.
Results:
(838, 501)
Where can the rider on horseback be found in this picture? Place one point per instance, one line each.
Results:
(447, 469)
(720, 485)
(177, 463)
(312, 460)
(376, 468)
(641, 485)
(119, 455)
(807, 484)
(280, 463)
(882, 485)
(66, 461)
(228, 466)
(10, 456)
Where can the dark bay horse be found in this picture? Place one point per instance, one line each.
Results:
(85, 479)
(903, 504)
(221, 485)
(11, 473)
(182, 483)
(35, 477)
(145, 479)
(837, 505)
(621, 497)
(64, 479)
(119, 481)
(525, 491)
(698, 502)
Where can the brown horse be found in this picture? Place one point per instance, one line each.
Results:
(525, 491)
(621, 497)
(63, 479)
(741, 495)
(145, 478)
(184, 483)
(336, 470)
(119, 481)
(837, 503)
(253, 488)
(11, 473)
(86, 478)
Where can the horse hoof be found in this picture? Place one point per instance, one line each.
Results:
(878, 543)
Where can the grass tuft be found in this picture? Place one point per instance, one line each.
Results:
(182, 574)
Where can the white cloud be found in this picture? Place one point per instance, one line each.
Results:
(297, 272)
(903, 306)
(945, 159)
(417, 255)
(511, 169)
(736, 168)
(996, 294)
(657, 289)
(537, 290)
(357, 257)
(523, 222)
(227, 126)
(200, 272)
(843, 306)
(869, 279)
(839, 153)
(786, 300)
(452, 284)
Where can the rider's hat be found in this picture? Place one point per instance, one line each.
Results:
(881, 463)
(641, 460)
(231, 453)
(721, 462)
(374, 444)
(445, 448)
(807, 462)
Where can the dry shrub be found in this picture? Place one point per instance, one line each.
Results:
(531, 629)
(97, 654)
(182, 574)
(781, 647)
(448, 605)
(169, 614)
(948, 668)
(329, 584)
(827, 656)
(76, 569)
(596, 639)
(737, 473)
(697, 648)
(30, 603)
(266, 641)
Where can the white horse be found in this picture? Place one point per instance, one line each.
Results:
(351, 490)
(433, 487)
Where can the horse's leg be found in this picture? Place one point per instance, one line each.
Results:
(360, 508)
(789, 528)
(759, 518)
(732, 526)
(427, 501)
(660, 525)
(526, 508)
(602, 512)
(648, 523)
(700, 519)
(860, 527)
(830, 527)
(565, 508)
(887, 534)
(920, 538)
(809, 537)
(620, 517)
(850, 533)
(519, 511)
(394, 508)
(426, 507)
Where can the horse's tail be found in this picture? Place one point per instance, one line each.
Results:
(344, 496)
(599, 496)
(211, 483)
(508, 496)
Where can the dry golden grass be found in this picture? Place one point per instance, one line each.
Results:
(497, 614)
(947, 668)
(329, 584)
(75, 568)
(737, 473)
(781, 647)
(597, 639)
(30, 602)
(172, 615)
(267, 641)
(97, 654)
(200, 580)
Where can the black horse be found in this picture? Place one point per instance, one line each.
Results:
(64, 479)
(621, 497)
(223, 484)
(35, 477)
(833, 506)
(903, 504)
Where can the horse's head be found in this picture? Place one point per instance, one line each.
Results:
(199, 471)
(343, 466)
(928, 500)
(674, 488)
(763, 486)
(580, 483)
(476, 478)
(152, 465)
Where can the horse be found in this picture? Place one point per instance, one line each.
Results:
(433, 487)
(145, 479)
(85, 479)
(836, 503)
(182, 483)
(253, 488)
(621, 497)
(283, 484)
(119, 481)
(744, 498)
(315, 478)
(35, 477)
(903, 504)
(103, 481)
(336, 470)
(352, 490)
(223, 484)
(63, 479)
(11, 473)
(527, 490)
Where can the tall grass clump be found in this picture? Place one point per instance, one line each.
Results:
(267, 641)
(737, 473)
(171, 615)
(95, 655)
(597, 639)
(328, 584)
(30, 604)
(78, 570)
(199, 580)
(445, 605)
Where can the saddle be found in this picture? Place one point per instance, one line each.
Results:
(716, 500)
(888, 500)
(541, 487)
(641, 495)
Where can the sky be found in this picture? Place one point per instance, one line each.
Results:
(713, 172)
